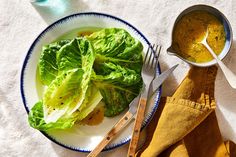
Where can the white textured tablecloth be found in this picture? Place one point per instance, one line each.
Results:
(21, 22)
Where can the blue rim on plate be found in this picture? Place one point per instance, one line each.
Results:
(157, 99)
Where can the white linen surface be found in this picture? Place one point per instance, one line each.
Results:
(21, 22)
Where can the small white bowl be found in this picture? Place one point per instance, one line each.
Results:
(227, 28)
(79, 138)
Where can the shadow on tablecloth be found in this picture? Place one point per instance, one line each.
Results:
(226, 98)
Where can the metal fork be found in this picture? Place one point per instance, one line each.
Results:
(150, 66)
(148, 73)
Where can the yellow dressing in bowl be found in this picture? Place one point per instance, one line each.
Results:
(190, 31)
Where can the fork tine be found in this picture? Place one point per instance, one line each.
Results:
(150, 56)
(154, 59)
(146, 55)
(157, 53)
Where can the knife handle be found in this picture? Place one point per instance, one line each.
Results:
(111, 134)
(137, 127)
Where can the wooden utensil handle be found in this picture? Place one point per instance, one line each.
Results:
(137, 127)
(109, 136)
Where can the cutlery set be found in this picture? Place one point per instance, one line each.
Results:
(138, 105)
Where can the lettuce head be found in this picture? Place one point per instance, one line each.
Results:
(80, 72)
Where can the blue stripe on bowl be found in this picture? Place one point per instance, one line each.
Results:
(123, 141)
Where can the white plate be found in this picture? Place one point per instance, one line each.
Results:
(79, 138)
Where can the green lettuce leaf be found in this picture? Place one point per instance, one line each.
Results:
(117, 68)
(78, 53)
(36, 120)
(48, 68)
(111, 73)
(67, 92)
(92, 99)
(118, 86)
(63, 94)
(36, 115)
(116, 43)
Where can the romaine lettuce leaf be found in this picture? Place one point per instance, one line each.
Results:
(118, 86)
(48, 68)
(67, 92)
(36, 120)
(118, 75)
(92, 99)
(78, 53)
(116, 43)
(36, 115)
(63, 94)
(117, 68)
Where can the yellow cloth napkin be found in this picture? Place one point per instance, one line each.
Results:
(185, 124)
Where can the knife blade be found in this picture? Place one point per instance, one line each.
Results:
(156, 83)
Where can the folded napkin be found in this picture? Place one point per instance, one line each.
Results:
(185, 124)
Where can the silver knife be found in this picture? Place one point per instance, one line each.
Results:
(156, 82)
(140, 110)
(154, 86)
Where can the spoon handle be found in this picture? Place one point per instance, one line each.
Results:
(229, 75)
